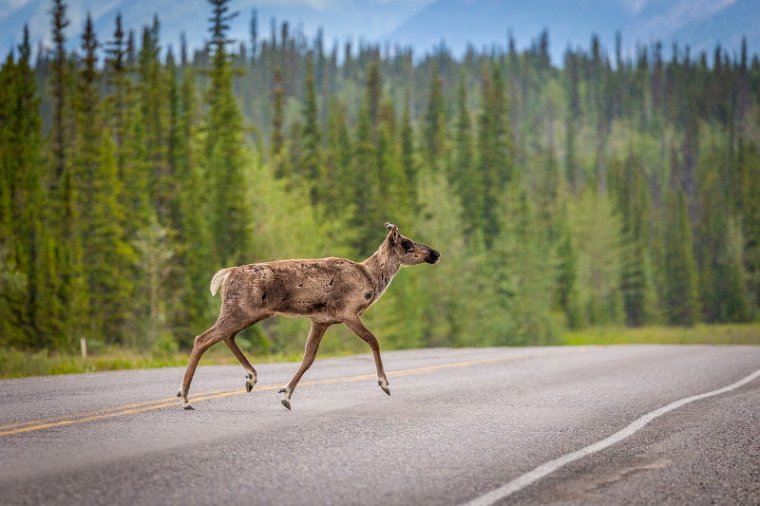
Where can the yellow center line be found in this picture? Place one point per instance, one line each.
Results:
(98, 412)
(141, 407)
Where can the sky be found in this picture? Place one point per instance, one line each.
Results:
(367, 20)
(372, 19)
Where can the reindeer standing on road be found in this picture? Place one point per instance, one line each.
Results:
(326, 290)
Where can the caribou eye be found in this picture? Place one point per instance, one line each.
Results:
(407, 245)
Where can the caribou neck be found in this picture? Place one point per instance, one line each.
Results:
(382, 266)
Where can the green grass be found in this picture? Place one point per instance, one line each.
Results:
(748, 333)
(18, 364)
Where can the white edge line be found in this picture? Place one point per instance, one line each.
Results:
(549, 467)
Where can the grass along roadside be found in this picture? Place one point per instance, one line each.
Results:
(18, 364)
(745, 333)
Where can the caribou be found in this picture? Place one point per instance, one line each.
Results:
(327, 291)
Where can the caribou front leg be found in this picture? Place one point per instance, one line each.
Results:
(357, 327)
(310, 351)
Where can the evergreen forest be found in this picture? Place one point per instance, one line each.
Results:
(613, 189)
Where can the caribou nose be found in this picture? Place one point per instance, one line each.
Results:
(433, 257)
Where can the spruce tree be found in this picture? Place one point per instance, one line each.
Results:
(720, 247)
(6, 174)
(194, 257)
(89, 129)
(572, 120)
(495, 149)
(97, 189)
(374, 93)
(153, 101)
(12, 279)
(253, 30)
(74, 292)
(363, 184)
(394, 200)
(524, 279)
(566, 282)
(633, 206)
(23, 288)
(724, 290)
(66, 185)
(118, 92)
(135, 175)
(278, 120)
(309, 165)
(230, 210)
(749, 163)
(59, 84)
(109, 254)
(681, 282)
(44, 305)
(436, 148)
(596, 237)
(335, 178)
(464, 174)
(408, 160)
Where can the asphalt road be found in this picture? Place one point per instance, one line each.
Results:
(459, 425)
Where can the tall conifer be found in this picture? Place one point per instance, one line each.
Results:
(23, 247)
(59, 84)
(278, 121)
(464, 174)
(436, 148)
(311, 154)
(408, 159)
(495, 148)
(681, 281)
(230, 209)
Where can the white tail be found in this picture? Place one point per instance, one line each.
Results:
(218, 280)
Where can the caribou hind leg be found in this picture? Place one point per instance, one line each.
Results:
(250, 372)
(225, 328)
(200, 345)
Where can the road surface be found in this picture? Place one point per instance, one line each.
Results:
(564, 425)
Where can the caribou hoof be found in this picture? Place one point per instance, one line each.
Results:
(384, 386)
(185, 403)
(250, 381)
(285, 400)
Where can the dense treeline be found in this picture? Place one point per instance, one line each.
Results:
(608, 191)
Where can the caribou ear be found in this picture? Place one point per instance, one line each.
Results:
(393, 236)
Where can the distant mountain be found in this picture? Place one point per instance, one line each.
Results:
(725, 28)
(487, 22)
(698, 23)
